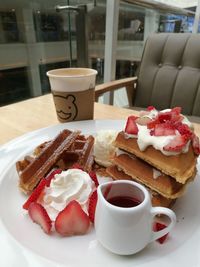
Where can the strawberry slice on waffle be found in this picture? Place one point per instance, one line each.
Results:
(177, 143)
(131, 126)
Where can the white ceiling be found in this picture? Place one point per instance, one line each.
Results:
(180, 3)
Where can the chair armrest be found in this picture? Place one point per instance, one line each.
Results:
(128, 83)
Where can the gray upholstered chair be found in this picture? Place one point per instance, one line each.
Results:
(169, 74)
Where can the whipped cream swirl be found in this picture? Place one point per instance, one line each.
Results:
(73, 184)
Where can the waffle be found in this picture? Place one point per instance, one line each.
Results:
(32, 169)
(156, 199)
(80, 152)
(144, 173)
(67, 149)
(182, 167)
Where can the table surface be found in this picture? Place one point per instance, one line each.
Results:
(35, 113)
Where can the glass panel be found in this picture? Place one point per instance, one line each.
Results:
(14, 84)
(9, 27)
(50, 26)
(35, 38)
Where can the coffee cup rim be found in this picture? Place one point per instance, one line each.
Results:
(53, 72)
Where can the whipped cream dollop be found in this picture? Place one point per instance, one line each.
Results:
(145, 139)
(73, 184)
(104, 147)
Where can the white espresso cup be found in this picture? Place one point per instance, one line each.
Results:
(124, 217)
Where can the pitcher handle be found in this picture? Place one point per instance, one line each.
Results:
(169, 213)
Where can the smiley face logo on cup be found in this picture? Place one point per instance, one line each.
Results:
(66, 107)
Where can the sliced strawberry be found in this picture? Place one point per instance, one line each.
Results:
(131, 126)
(176, 110)
(39, 189)
(72, 220)
(51, 176)
(93, 176)
(177, 119)
(39, 215)
(164, 129)
(164, 116)
(176, 115)
(157, 227)
(183, 129)
(172, 116)
(92, 206)
(150, 108)
(77, 166)
(35, 194)
(151, 124)
(196, 144)
(177, 143)
(133, 117)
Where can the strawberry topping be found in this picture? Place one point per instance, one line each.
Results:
(168, 116)
(131, 126)
(72, 220)
(165, 123)
(77, 166)
(35, 194)
(93, 176)
(39, 189)
(177, 143)
(163, 129)
(196, 144)
(92, 206)
(151, 124)
(157, 227)
(164, 116)
(150, 108)
(39, 215)
(176, 110)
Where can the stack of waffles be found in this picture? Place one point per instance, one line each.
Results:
(158, 150)
(68, 148)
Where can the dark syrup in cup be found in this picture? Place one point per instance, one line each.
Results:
(124, 201)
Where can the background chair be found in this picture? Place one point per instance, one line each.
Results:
(169, 74)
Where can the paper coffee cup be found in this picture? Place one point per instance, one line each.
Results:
(73, 93)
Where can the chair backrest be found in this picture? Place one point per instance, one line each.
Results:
(169, 73)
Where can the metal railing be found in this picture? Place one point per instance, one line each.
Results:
(161, 7)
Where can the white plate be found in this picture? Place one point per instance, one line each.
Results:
(181, 249)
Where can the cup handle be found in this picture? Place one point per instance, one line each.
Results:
(161, 210)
